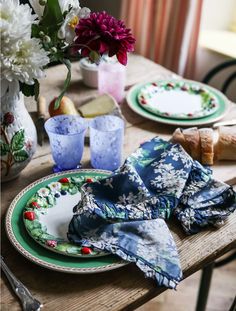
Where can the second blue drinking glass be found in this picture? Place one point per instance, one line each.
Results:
(106, 142)
(66, 134)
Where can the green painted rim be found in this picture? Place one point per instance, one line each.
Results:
(132, 100)
(21, 240)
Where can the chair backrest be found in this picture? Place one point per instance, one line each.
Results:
(217, 70)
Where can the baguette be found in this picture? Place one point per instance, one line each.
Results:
(226, 145)
(207, 146)
(178, 138)
(192, 139)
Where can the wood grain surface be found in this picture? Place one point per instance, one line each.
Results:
(125, 288)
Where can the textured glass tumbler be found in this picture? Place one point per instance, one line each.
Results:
(111, 80)
(66, 135)
(106, 142)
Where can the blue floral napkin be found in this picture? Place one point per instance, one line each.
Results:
(125, 213)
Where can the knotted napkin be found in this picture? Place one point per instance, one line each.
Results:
(125, 213)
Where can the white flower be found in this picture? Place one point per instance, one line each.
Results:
(67, 30)
(24, 61)
(64, 5)
(55, 186)
(43, 192)
(15, 21)
(84, 12)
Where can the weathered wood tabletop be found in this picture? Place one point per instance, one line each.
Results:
(124, 288)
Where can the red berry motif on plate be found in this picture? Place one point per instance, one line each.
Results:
(143, 101)
(190, 114)
(184, 88)
(170, 85)
(154, 83)
(35, 205)
(29, 215)
(63, 180)
(51, 243)
(86, 250)
(89, 180)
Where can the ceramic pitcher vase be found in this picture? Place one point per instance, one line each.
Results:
(18, 135)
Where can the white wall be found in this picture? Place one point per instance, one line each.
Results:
(216, 15)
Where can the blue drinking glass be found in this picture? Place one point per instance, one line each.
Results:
(66, 135)
(106, 142)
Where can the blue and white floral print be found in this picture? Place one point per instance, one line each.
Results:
(125, 213)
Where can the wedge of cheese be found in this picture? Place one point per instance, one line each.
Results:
(101, 105)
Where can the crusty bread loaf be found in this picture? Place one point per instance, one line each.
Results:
(178, 138)
(207, 146)
(226, 145)
(192, 140)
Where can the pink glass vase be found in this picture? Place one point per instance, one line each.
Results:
(111, 80)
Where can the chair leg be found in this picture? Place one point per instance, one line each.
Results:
(204, 287)
(233, 307)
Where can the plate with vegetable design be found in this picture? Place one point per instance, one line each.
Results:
(223, 106)
(28, 239)
(178, 99)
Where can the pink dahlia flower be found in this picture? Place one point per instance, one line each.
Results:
(103, 33)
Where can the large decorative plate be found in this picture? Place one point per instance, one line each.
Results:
(42, 256)
(50, 209)
(178, 99)
(223, 108)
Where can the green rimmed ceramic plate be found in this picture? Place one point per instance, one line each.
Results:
(178, 99)
(48, 212)
(24, 243)
(224, 104)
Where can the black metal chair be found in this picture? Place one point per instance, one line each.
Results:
(208, 270)
(218, 70)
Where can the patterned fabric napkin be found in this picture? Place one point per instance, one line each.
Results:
(125, 213)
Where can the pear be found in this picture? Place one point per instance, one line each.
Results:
(66, 107)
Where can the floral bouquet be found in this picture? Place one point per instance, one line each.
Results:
(59, 31)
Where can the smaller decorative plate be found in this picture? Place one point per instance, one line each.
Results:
(49, 210)
(177, 99)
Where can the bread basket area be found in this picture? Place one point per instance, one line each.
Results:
(207, 145)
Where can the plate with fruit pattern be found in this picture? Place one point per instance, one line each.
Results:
(48, 212)
(47, 256)
(178, 99)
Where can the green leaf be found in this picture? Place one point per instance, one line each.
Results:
(77, 180)
(17, 141)
(73, 250)
(36, 232)
(20, 156)
(66, 83)
(52, 15)
(51, 200)
(30, 90)
(35, 29)
(27, 90)
(73, 190)
(5, 148)
(95, 57)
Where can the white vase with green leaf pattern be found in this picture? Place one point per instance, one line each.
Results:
(18, 135)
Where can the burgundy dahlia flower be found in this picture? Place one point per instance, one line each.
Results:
(103, 33)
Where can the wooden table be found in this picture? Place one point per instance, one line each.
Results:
(124, 288)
